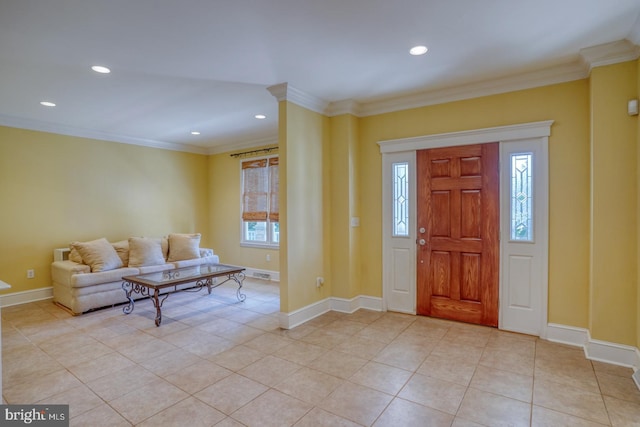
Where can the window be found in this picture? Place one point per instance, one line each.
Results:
(400, 199)
(521, 220)
(260, 215)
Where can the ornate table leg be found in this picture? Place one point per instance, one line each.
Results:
(239, 278)
(157, 303)
(129, 307)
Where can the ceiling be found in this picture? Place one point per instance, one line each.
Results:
(205, 65)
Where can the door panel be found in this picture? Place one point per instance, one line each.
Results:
(458, 206)
(399, 242)
(524, 266)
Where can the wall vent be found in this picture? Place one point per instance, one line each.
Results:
(264, 276)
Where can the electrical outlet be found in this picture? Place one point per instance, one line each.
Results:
(268, 257)
(319, 281)
(31, 274)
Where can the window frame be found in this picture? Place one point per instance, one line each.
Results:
(269, 223)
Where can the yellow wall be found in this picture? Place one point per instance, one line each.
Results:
(345, 204)
(55, 189)
(566, 104)
(614, 202)
(225, 206)
(304, 206)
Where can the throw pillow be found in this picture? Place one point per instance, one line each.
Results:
(145, 251)
(74, 255)
(184, 246)
(122, 248)
(98, 254)
(164, 244)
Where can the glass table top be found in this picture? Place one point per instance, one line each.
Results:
(182, 275)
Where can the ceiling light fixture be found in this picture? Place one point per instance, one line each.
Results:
(260, 116)
(100, 69)
(418, 50)
(195, 132)
(47, 103)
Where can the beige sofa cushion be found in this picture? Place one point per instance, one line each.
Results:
(95, 282)
(183, 246)
(145, 251)
(98, 254)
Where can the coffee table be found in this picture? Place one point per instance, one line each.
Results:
(150, 284)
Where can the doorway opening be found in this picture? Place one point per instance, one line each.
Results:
(523, 263)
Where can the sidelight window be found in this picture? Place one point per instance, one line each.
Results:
(521, 194)
(400, 173)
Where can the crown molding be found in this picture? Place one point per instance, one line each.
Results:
(606, 54)
(238, 146)
(345, 106)
(548, 76)
(609, 53)
(96, 135)
(286, 92)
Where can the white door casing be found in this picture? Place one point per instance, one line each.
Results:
(523, 266)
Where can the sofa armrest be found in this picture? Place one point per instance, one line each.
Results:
(205, 252)
(61, 271)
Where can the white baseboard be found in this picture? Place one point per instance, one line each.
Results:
(17, 298)
(343, 305)
(569, 335)
(601, 351)
(618, 354)
(304, 314)
(370, 303)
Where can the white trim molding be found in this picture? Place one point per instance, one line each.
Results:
(569, 335)
(23, 297)
(342, 305)
(609, 53)
(475, 136)
(286, 92)
(59, 129)
(243, 145)
(554, 75)
(601, 351)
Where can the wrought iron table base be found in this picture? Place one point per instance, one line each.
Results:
(158, 299)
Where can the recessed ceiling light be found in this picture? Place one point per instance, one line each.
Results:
(100, 69)
(195, 132)
(418, 50)
(47, 103)
(260, 116)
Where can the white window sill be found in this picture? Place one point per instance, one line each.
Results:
(259, 245)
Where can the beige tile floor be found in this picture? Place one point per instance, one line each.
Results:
(215, 361)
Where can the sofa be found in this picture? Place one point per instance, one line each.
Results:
(88, 275)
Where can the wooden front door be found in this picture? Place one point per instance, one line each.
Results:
(458, 233)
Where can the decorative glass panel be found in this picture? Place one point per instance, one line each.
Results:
(522, 197)
(400, 175)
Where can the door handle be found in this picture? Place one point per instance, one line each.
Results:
(422, 242)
